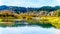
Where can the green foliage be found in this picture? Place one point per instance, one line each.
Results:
(58, 12)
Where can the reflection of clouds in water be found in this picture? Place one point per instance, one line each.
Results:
(28, 30)
(55, 31)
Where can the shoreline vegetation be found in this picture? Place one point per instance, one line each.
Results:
(9, 18)
(42, 18)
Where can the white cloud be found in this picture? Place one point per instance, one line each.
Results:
(1, 2)
(58, 2)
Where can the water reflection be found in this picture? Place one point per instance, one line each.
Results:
(19, 24)
(28, 30)
(24, 28)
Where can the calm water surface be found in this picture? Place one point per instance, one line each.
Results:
(28, 30)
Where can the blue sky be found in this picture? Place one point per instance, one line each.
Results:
(30, 3)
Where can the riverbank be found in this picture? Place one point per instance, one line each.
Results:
(54, 21)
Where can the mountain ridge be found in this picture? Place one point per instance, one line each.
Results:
(24, 9)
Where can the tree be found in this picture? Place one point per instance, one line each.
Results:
(58, 13)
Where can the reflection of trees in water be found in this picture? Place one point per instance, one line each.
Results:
(35, 24)
(44, 25)
(19, 24)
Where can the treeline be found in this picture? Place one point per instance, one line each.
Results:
(17, 9)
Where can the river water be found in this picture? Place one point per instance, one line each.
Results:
(28, 30)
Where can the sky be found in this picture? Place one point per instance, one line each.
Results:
(30, 3)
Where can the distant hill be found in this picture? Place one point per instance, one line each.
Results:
(24, 9)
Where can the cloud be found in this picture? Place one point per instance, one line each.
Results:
(1, 2)
(58, 2)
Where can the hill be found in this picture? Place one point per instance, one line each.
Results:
(17, 9)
